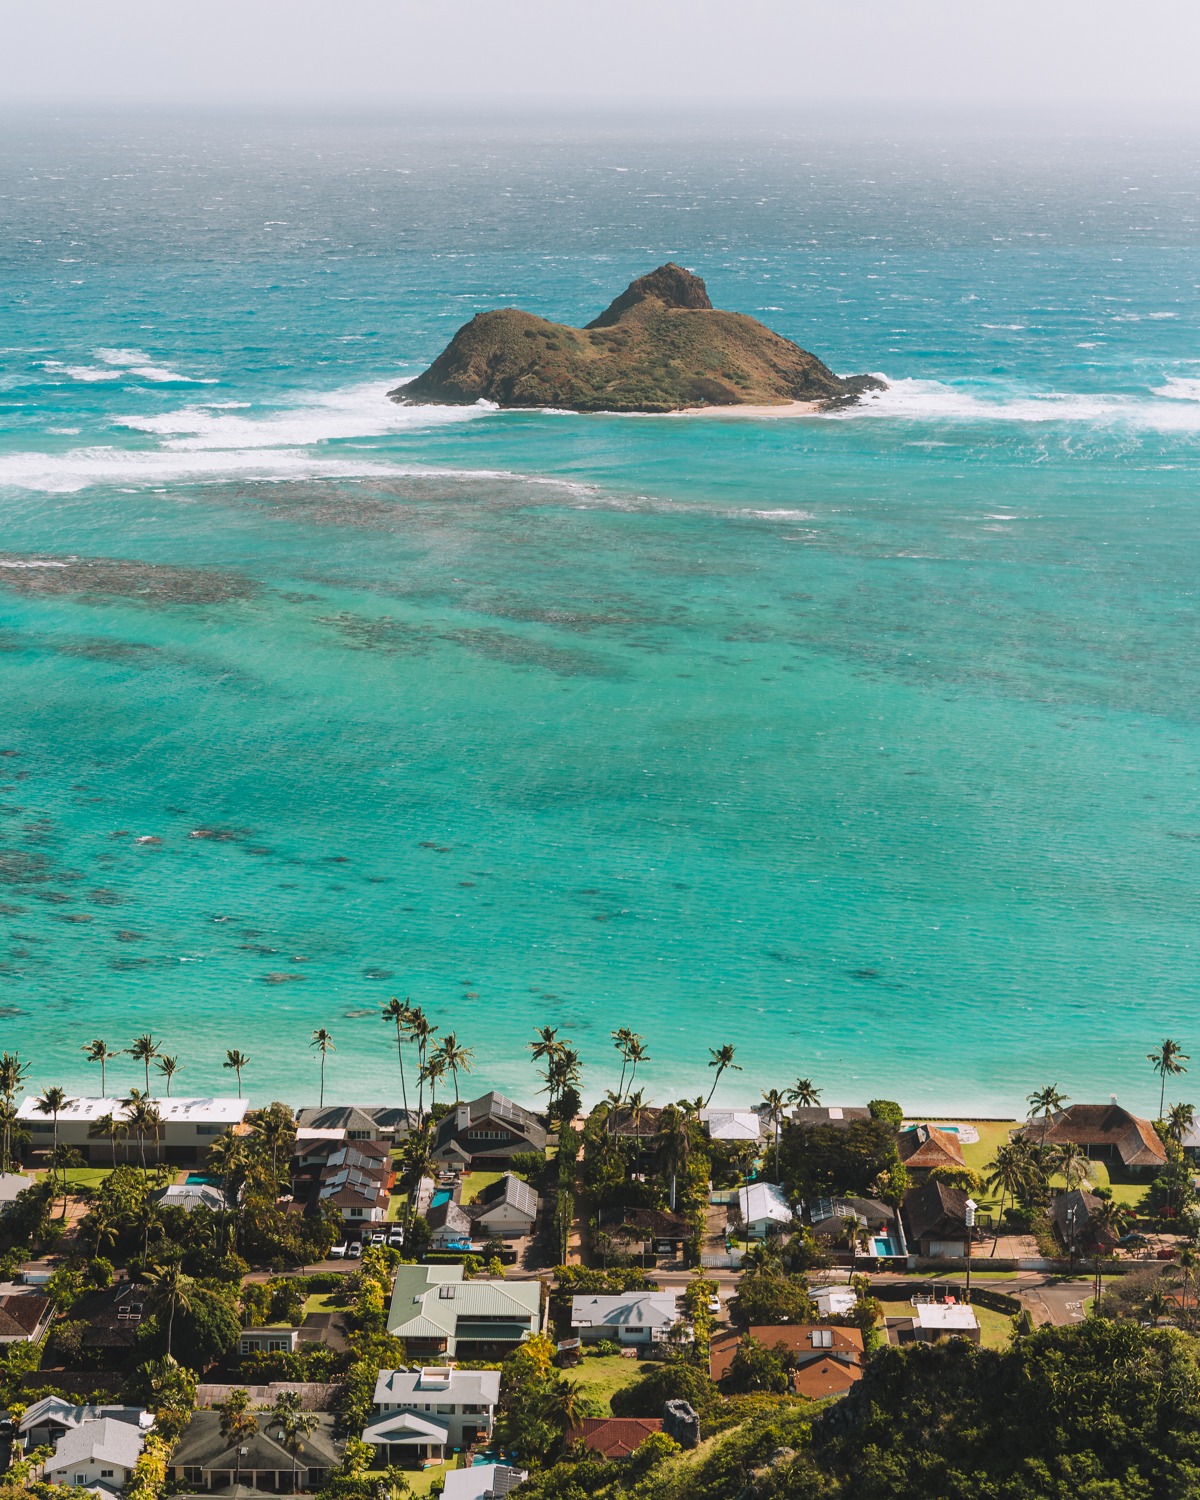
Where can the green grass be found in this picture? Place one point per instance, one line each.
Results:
(475, 1182)
(87, 1177)
(320, 1302)
(396, 1206)
(992, 1133)
(995, 1328)
(601, 1375)
(420, 1481)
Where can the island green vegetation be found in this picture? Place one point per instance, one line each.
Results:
(661, 346)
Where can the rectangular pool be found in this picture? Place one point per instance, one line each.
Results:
(885, 1245)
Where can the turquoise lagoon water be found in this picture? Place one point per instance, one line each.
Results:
(867, 742)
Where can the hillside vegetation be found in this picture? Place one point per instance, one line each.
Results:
(661, 346)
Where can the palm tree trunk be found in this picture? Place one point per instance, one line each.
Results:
(999, 1221)
(322, 1080)
(1162, 1093)
(403, 1085)
(454, 1075)
(103, 1090)
(713, 1090)
(170, 1326)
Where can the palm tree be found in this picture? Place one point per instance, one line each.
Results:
(416, 1161)
(1072, 1161)
(566, 1405)
(622, 1037)
(99, 1051)
(1168, 1058)
(12, 1083)
(675, 1143)
(236, 1061)
(237, 1424)
(805, 1093)
(454, 1057)
(144, 1050)
(109, 1125)
(420, 1028)
(637, 1053)
(1189, 1260)
(562, 1072)
(323, 1042)
(293, 1424)
(430, 1072)
(399, 1013)
(52, 1101)
(1157, 1304)
(170, 1288)
(776, 1105)
(1009, 1169)
(720, 1058)
(168, 1067)
(1045, 1102)
(1180, 1119)
(9, 1121)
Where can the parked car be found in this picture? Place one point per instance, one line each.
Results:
(354, 1249)
(377, 1236)
(396, 1238)
(338, 1252)
(714, 1305)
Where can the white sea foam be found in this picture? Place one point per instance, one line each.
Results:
(1179, 388)
(124, 364)
(65, 473)
(360, 411)
(931, 401)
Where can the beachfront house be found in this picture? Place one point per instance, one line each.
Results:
(935, 1219)
(99, 1454)
(762, 1207)
(186, 1134)
(355, 1122)
(354, 1176)
(435, 1311)
(839, 1116)
(423, 1415)
(484, 1133)
(205, 1459)
(1106, 1132)
(625, 1317)
(923, 1147)
(874, 1225)
(731, 1124)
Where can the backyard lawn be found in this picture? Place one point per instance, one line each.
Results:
(322, 1302)
(87, 1177)
(475, 1182)
(601, 1375)
(995, 1328)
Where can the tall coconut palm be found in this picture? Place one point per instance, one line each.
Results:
(1180, 1119)
(52, 1101)
(1166, 1059)
(1009, 1169)
(1071, 1160)
(10, 1121)
(111, 1126)
(236, 1061)
(416, 1162)
(323, 1042)
(566, 1405)
(622, 1038)
(720, 1058)
(432, 1071)
(637, 1053)
(674, 1141)
(168, 1067)
(805, 1093)
(420, 1028)
(12, 1083)
(1045, 1102)
(292, 1424)
(398, 1013)
(238, 1425)
(562, 1073)
(1189, 1260)
(99, 1051)
(171, 1289)
(776, 1106)
(144, 1050)
(454, 1057)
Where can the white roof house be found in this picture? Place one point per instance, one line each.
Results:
(834, 1301)
(945, 1317)
(91, 1108)
(190, 1195)
(626, 1318)
(189, 1126)
(762, 1205)
(483, 1482)
(101, 1454)
(431, 1408)
(731, 1124)
(12, 1183)
(437, 1385)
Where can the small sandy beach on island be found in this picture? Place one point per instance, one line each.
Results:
(780, 409)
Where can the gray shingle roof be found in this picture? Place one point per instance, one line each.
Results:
(107, 1440)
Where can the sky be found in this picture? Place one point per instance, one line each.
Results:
(1015, 54)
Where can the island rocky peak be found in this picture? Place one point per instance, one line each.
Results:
(661, 346)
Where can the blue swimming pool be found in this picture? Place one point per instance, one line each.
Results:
(885, 1245)
(441, 1196)
(195, 1179)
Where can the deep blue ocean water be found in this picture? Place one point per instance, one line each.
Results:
(867, 742)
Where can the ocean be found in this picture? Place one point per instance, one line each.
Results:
(867, 742)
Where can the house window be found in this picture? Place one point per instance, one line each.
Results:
(106, 1473)
(210, 1129)
(356, 1213)
(358, 1135)
(193, 1476)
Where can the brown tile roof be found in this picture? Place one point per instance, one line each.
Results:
(614, 1437)
(1135, 1140)
(22, 1314)
(925, 1146)
(935, 1211)
(795, 1338)
(824, 1377)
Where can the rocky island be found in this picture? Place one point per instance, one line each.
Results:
(661, 346)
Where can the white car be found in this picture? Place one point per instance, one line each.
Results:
(714, 1305)
(354, 1249)
(338, 1252)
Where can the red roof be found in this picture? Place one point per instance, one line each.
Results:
(614, 1437)
(824, 1377)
